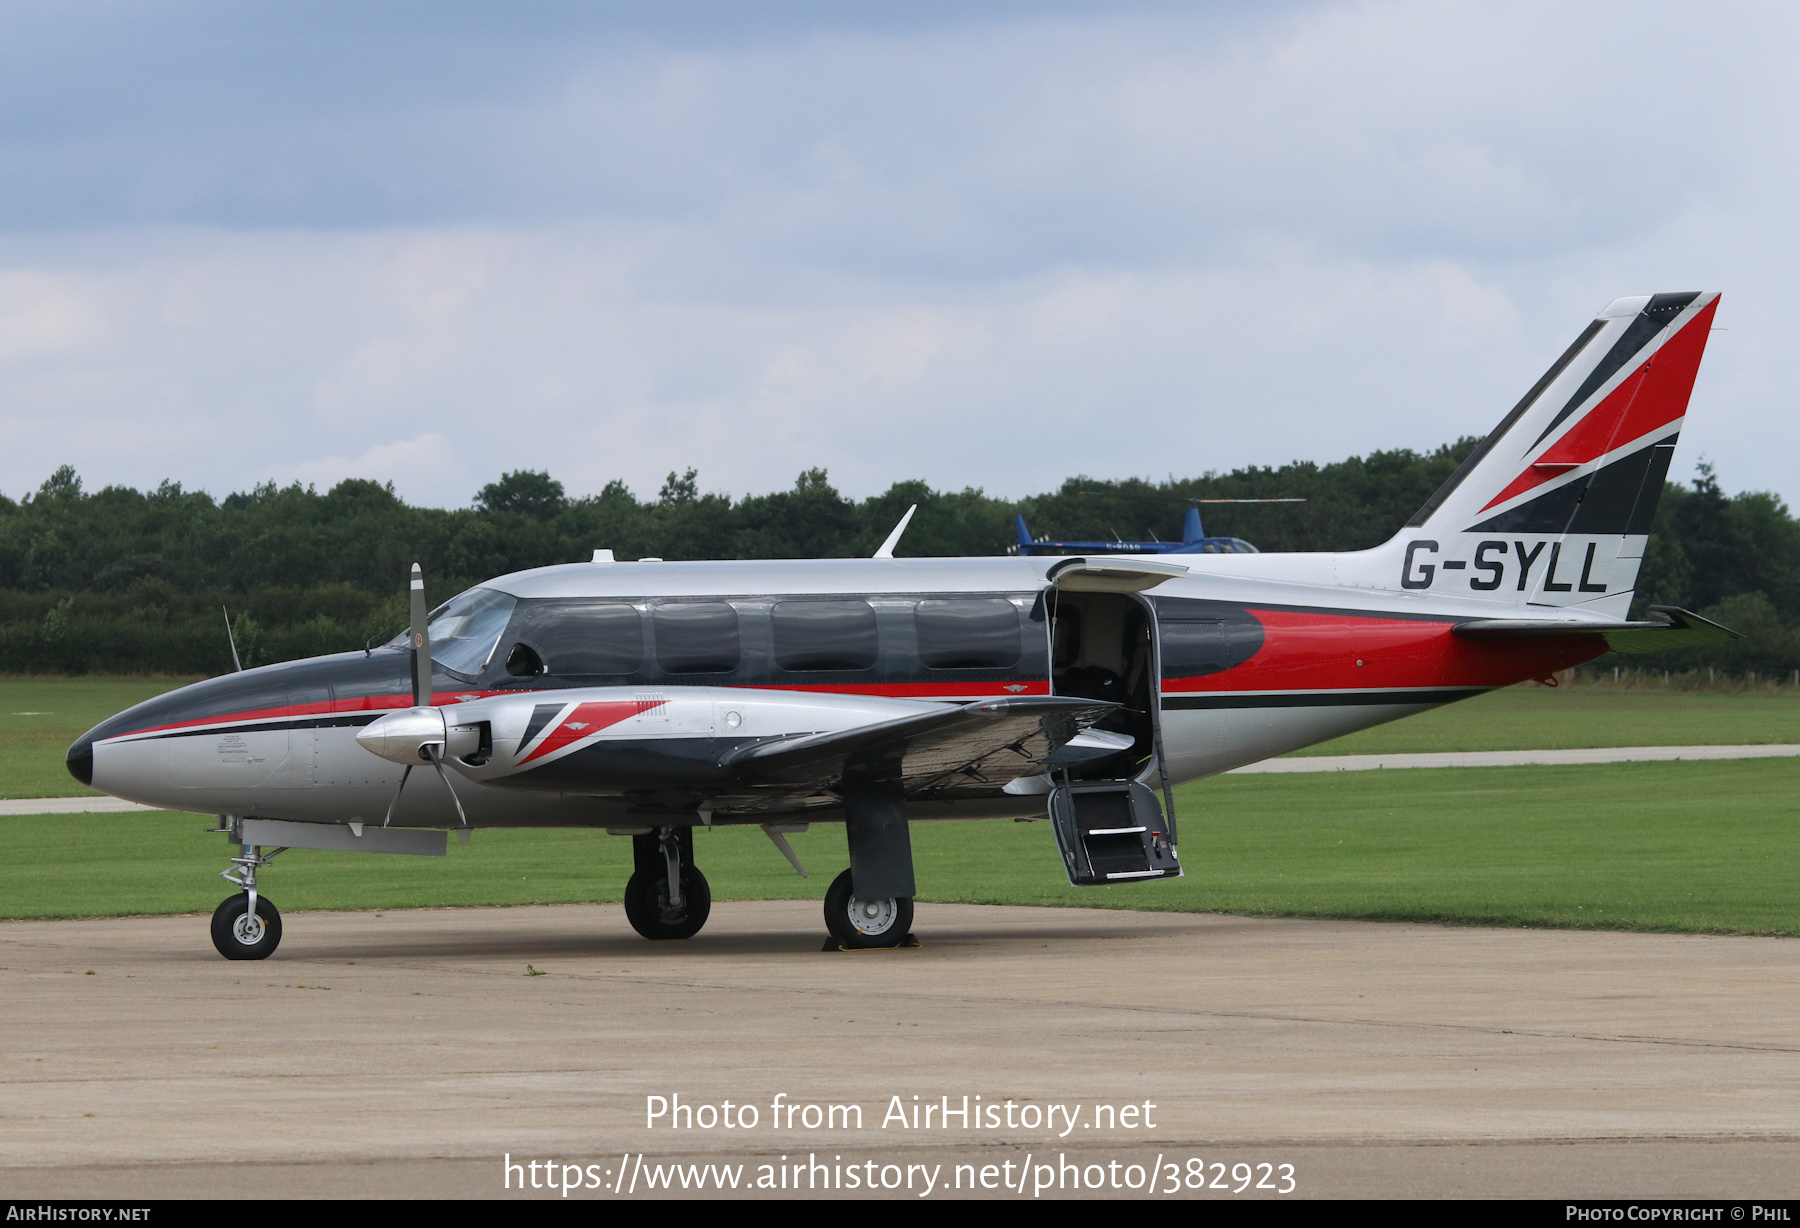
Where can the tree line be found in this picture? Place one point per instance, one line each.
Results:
(126, 581)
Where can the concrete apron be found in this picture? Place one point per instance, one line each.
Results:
(406, 1053)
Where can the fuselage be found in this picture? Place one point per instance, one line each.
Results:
(1244, 657)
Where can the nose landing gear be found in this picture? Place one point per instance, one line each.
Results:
(240, 934)
(246, 926)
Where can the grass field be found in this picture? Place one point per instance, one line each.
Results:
(39, 717)
(1533, 717)
(1696, 847)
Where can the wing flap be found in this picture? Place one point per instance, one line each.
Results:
(985, 744)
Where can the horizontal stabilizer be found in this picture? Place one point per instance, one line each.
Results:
(1674, 629)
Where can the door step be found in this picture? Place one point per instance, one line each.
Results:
(1112, 831)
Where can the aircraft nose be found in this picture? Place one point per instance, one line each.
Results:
(401, 737)
(81, 760)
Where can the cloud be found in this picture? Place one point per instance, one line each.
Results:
(418, 466)
(985, 245)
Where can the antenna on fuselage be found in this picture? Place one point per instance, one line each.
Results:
(231, 639)
(893, 539)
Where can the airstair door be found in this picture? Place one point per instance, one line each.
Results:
(1110, 824)
(1112, 831)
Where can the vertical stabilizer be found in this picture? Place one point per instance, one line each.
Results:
(1553, 509)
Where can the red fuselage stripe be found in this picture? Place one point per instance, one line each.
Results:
(336, 707)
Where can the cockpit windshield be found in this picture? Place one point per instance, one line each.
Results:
(466, 629)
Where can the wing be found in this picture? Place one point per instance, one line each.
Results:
(969, 751)
(1675, 629)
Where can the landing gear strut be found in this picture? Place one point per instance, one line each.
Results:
(863, 924)
(247, 926)
(667, 896)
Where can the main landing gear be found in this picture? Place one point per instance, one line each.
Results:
(865, 924)
(667, 896)
(247, 926)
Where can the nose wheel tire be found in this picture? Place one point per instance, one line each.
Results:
(648, 909)
(239, 935)
(862, 924)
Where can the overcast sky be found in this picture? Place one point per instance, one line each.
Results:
(979, 244)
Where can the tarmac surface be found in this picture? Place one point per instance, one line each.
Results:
(407, 1053)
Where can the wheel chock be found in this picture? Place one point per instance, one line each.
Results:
(909, 943)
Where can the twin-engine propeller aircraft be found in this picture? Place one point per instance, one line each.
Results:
(649, 698)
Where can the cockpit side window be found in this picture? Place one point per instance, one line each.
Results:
(580, 638)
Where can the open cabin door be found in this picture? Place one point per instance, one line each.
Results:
(1110, 824)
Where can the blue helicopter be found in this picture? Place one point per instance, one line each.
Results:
(1193, 538)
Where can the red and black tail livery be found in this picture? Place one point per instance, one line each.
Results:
(1576, 468)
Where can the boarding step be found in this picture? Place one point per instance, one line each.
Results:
(1112, 831)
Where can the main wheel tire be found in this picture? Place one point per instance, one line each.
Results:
(238, 935)
(647, 904)
(864, 924)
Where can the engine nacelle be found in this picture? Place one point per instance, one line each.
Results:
(534, 729)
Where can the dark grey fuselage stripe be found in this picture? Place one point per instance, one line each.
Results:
(1318, 699)
(352, 721)
(540, 716)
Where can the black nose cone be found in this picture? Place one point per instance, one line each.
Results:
(81, 761)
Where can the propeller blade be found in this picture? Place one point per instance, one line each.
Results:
(437, 761)
(404, 773)
(421, 642)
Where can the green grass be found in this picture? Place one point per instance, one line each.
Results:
(1694, 847)
(1533, 717)
(39, 717)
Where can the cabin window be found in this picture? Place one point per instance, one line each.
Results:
(967, 633)
(1192, 647)
(697, 637)
(823, 635)
(584, 638)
